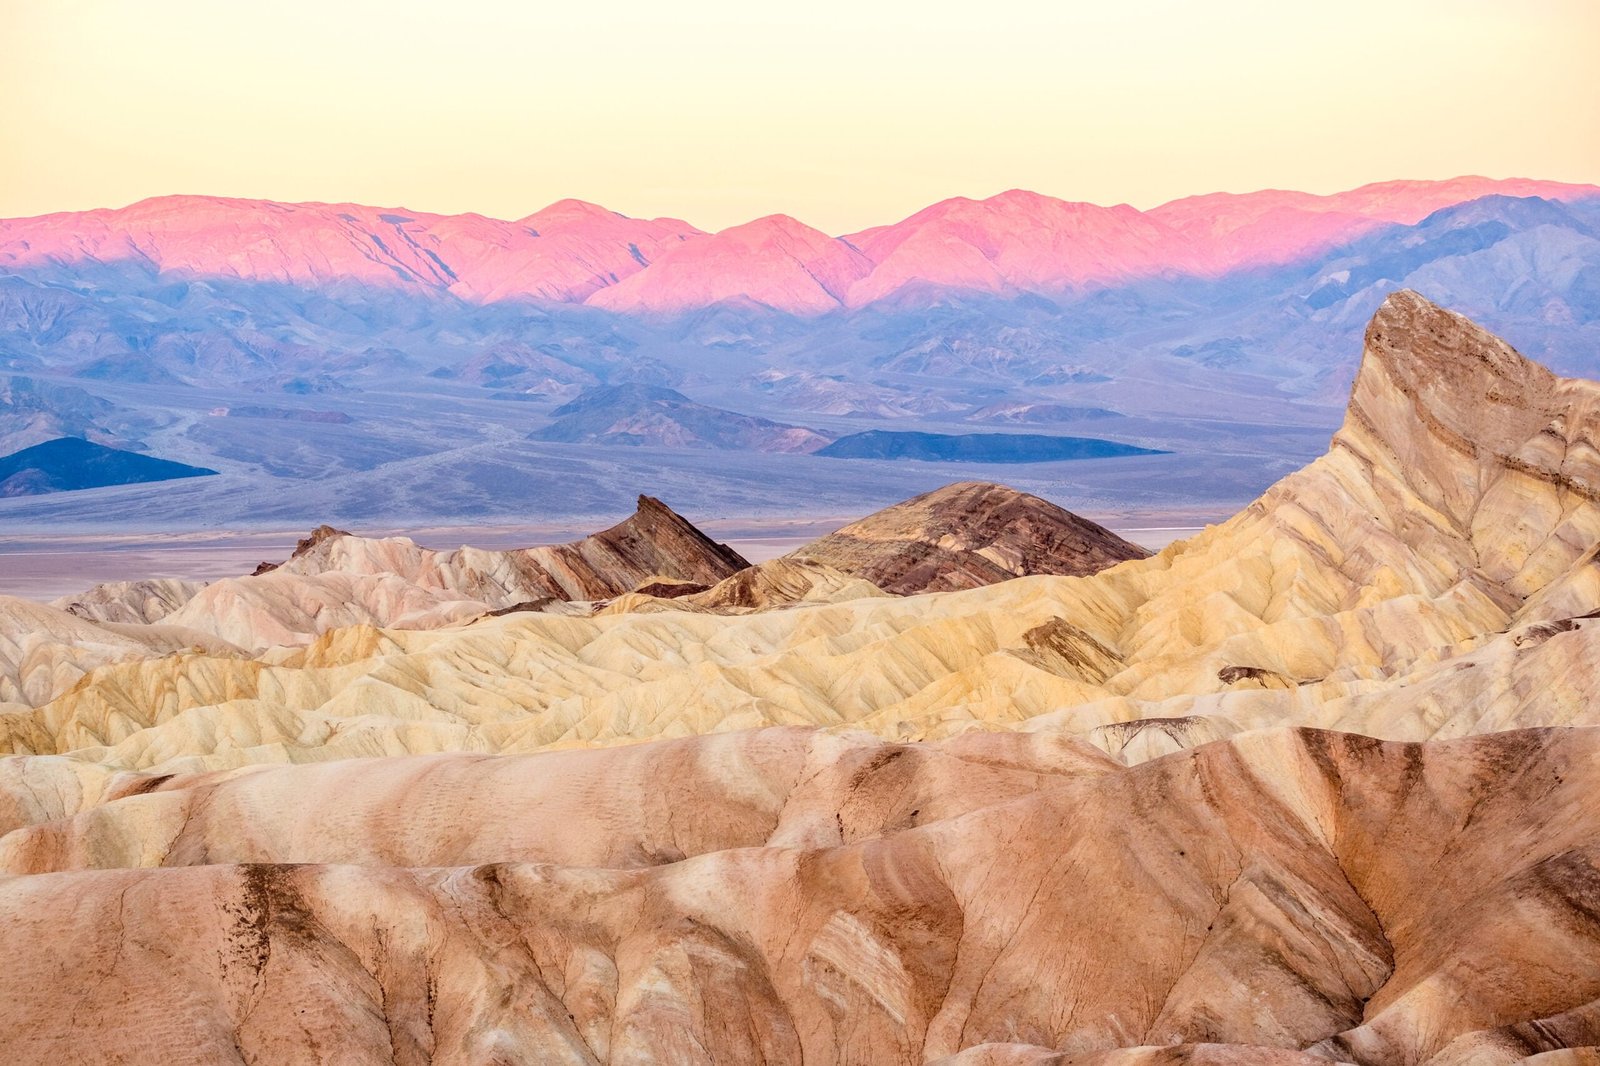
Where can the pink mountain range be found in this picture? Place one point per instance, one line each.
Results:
(577, 252)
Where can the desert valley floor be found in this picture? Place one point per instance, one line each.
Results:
(971, 781)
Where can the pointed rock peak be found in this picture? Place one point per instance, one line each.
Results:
(304, 547)
(649, 505)
(1461, 377)
(654, 515)
(1447, 407)
(318, 536)
(655, 532)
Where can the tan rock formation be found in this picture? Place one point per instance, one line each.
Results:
(782, 582)
(334, 580)
(45, 651)
(140, 602)
(966, 535)
(1280, 892)
(654, 541)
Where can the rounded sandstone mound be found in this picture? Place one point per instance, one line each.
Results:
(966, 535)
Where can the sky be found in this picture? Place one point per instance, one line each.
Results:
(843, 113)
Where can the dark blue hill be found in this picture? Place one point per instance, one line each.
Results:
(69, 463)
(975, 447)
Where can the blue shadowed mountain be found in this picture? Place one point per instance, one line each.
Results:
(652, 415)
(70, 463)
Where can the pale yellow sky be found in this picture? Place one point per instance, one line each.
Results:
(844, 113)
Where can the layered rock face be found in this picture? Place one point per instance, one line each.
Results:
(142, 602)
(654, 541)
(335, 580)
(1316, 785)
(789, 896)
(967, 535)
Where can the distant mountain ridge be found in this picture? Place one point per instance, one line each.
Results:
(563, 253)
(580, 253)
(653, 415)
(1234, 375)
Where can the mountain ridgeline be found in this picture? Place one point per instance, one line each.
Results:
(1017, 241)
(449, 368)
(639, 415)
(963, 536)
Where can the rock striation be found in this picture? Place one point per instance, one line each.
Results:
(793, 897)
(140, 602)
(334, 579)
(654, 541)
(965, 535)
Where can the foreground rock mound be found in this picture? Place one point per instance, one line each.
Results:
(141, 602)
(773, 585)
(784, 896)
(966, 535)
